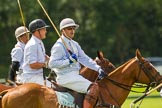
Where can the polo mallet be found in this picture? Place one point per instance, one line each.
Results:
(11, 82)
(146, 94)
(54, 27)
(22, 16)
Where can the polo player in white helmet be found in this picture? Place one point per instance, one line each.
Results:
(17, 53)
(67, 65)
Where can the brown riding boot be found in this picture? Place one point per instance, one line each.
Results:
(91, 97)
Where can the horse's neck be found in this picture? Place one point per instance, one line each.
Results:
(89, 74)
(125, 74)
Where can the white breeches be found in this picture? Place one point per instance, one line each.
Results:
(74, 81)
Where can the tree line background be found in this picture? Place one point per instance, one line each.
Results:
(116, 27)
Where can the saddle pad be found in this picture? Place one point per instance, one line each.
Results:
(65, 99)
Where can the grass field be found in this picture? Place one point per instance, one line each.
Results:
(151, 101)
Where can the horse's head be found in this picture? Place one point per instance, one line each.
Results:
(105, 64)
(149, 70)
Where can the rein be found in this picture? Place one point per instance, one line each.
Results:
(146, 71)
(127, 86)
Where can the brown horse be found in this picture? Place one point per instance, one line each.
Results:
(114, 88)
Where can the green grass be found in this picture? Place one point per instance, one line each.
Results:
(153, 100)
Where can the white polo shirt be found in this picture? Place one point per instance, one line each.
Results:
(34, 52)
(17, 53)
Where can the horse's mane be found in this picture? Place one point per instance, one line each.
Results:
(120, 67)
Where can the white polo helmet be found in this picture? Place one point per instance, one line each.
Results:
(68, 22)
(21, 31)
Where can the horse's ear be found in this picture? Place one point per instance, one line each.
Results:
(100, 54)
(138, 55)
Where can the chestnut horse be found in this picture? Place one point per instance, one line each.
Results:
(114, 88)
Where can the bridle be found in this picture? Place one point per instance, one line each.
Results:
(147, 71)
(153, 81)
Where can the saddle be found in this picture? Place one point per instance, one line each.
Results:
(78, 97)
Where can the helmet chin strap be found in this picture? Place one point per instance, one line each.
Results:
(22, 41)
(66, 34)
(19, 39)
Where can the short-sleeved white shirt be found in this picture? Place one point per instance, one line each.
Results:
(17, 53)
(34, 52)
